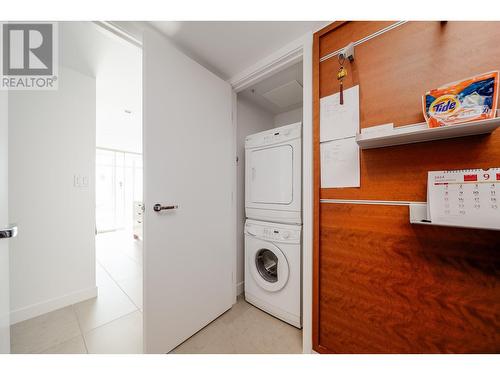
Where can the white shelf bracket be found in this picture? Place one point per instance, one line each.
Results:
(418, 213)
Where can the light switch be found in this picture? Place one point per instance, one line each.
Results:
(80, 181)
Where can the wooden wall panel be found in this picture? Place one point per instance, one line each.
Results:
(454, 306)
(347, 32)
(393, 71)
(400, 172)
(391, 287)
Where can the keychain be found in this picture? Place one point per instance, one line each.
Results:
(341, 74)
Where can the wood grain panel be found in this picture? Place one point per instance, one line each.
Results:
(347, 32)
(316, 193)
(391, 287)
(381, 285)
(400, 172)
(397, 67)
(393, 70)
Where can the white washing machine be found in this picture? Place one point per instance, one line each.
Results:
(273, 269)
(273, 175)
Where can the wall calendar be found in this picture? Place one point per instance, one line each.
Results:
(469, 197)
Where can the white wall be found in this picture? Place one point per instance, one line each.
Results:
(52, 139)
(250, 119)
(4, 244)
(286, 118)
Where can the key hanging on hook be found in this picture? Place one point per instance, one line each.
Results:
(341, 74)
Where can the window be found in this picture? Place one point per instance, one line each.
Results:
(118, 186)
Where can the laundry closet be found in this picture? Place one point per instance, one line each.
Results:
(269, 196)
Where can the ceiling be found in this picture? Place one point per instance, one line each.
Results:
(285, 88)
(229, 47)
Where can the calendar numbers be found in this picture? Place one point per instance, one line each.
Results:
(493, 198)
(468, 198)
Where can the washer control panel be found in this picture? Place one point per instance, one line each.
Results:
(278, 233)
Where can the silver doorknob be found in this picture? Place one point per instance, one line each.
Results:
(158, 207)
(9, 232)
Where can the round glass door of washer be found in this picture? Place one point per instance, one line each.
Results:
(270, 268)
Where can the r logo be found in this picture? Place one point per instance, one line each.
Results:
(27, 49)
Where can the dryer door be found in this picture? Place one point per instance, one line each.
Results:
(270, 172)
(268, 266)
(273, 182)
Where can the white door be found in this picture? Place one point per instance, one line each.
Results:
(5, 230)
(189, 252)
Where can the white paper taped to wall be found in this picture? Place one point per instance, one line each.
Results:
(340, 163)
(339, 124)
(339, 120)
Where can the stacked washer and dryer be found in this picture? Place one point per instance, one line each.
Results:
(273, 205)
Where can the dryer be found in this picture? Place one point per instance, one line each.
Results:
(273, 269)
(273, 175)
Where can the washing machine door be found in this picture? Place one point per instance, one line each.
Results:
(269, 267)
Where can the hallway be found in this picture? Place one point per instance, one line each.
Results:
(111, 323)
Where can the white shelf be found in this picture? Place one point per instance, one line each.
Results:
(418, 215)
(421, 133)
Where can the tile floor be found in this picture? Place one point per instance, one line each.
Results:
(96, 325)
(244, 329)
(112, 322)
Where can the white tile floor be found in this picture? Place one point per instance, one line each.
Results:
(244, 329)
(112, 322)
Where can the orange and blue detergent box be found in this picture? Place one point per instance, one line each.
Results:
(472, 99)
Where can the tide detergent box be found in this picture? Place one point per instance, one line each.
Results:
(472, 99)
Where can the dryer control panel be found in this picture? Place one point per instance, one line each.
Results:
(274, 136)
(275, 233)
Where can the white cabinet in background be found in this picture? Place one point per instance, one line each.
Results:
(138, 219)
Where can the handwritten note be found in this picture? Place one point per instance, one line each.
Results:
(339, 124)
(339, 120)
(340, 163)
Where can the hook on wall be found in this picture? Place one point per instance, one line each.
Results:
(347, 52)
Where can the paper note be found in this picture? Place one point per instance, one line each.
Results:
(379, 129)
(464, 197)
(339, 163)
(339, 120)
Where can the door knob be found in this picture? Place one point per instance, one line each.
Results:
(158, 207)
(9, 232)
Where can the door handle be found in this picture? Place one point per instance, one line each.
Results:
(9, 232)
(158, 207)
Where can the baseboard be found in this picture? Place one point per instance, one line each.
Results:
(240, 288)
(41, 308)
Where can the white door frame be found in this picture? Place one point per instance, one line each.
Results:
(300, 49)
